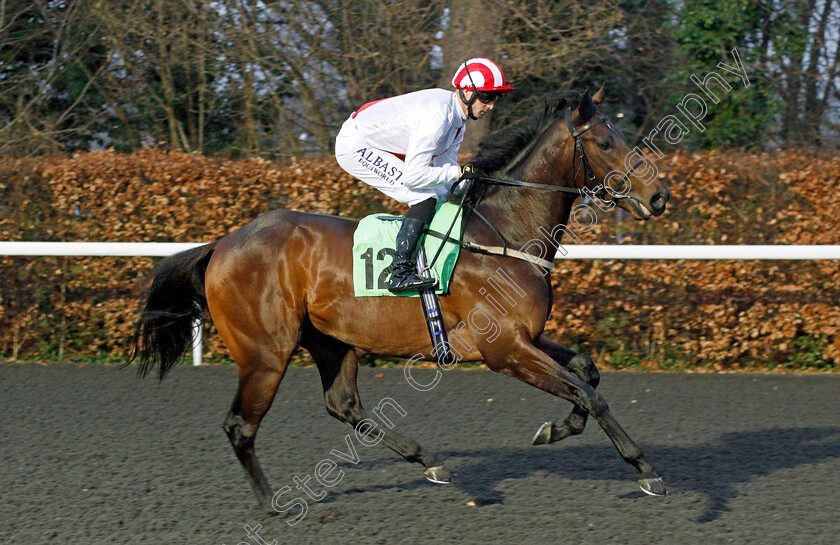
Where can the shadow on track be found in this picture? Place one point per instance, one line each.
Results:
(714, 470)
(736, 458)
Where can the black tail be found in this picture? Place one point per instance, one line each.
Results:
(164, 332)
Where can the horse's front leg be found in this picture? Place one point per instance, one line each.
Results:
(584, 368)
(522, 360)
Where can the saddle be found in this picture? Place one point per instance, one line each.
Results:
(373, 251)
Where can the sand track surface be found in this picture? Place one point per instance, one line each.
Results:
(92, 455)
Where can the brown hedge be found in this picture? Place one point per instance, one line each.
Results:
(646, 314)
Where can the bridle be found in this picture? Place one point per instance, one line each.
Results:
(599, 190)
(579, 151)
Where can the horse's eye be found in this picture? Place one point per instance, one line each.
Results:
(606, 144)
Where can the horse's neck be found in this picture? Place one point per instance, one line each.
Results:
(520, 214)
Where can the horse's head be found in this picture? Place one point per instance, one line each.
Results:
(606, 166)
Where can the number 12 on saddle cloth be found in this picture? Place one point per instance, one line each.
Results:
(373, 251)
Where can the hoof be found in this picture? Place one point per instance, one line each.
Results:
(543, 435)
(438, 474)
(653, 487)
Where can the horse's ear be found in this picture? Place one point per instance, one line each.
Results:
(599, 96)
(585, 100)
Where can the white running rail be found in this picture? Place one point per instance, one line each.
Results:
(697, 251)
(118, 249)
(588, 251)
(112, 249)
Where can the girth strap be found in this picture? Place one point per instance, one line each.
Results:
(494, 250)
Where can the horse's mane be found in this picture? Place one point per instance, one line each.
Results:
(498, 150)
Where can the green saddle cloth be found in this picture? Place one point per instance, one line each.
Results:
(373, 251)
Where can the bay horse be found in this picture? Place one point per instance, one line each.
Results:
(285, 281)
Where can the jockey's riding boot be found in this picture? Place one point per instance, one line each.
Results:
(403, 271)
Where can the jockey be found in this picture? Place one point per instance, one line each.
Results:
(407, 147)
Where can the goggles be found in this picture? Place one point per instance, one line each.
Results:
(487, 96)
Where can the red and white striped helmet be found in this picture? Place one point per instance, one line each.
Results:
(482, 75)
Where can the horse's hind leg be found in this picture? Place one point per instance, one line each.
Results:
(262, 358)
(583, 367)
(338, 364)
(254, 395)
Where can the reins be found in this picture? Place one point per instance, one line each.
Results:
(504, 250)
(579, 150)
(520, 183)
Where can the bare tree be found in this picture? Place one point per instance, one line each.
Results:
(278, 77)
(474, 30)
(47, 68)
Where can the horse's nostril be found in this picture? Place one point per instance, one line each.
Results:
(657, 202)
